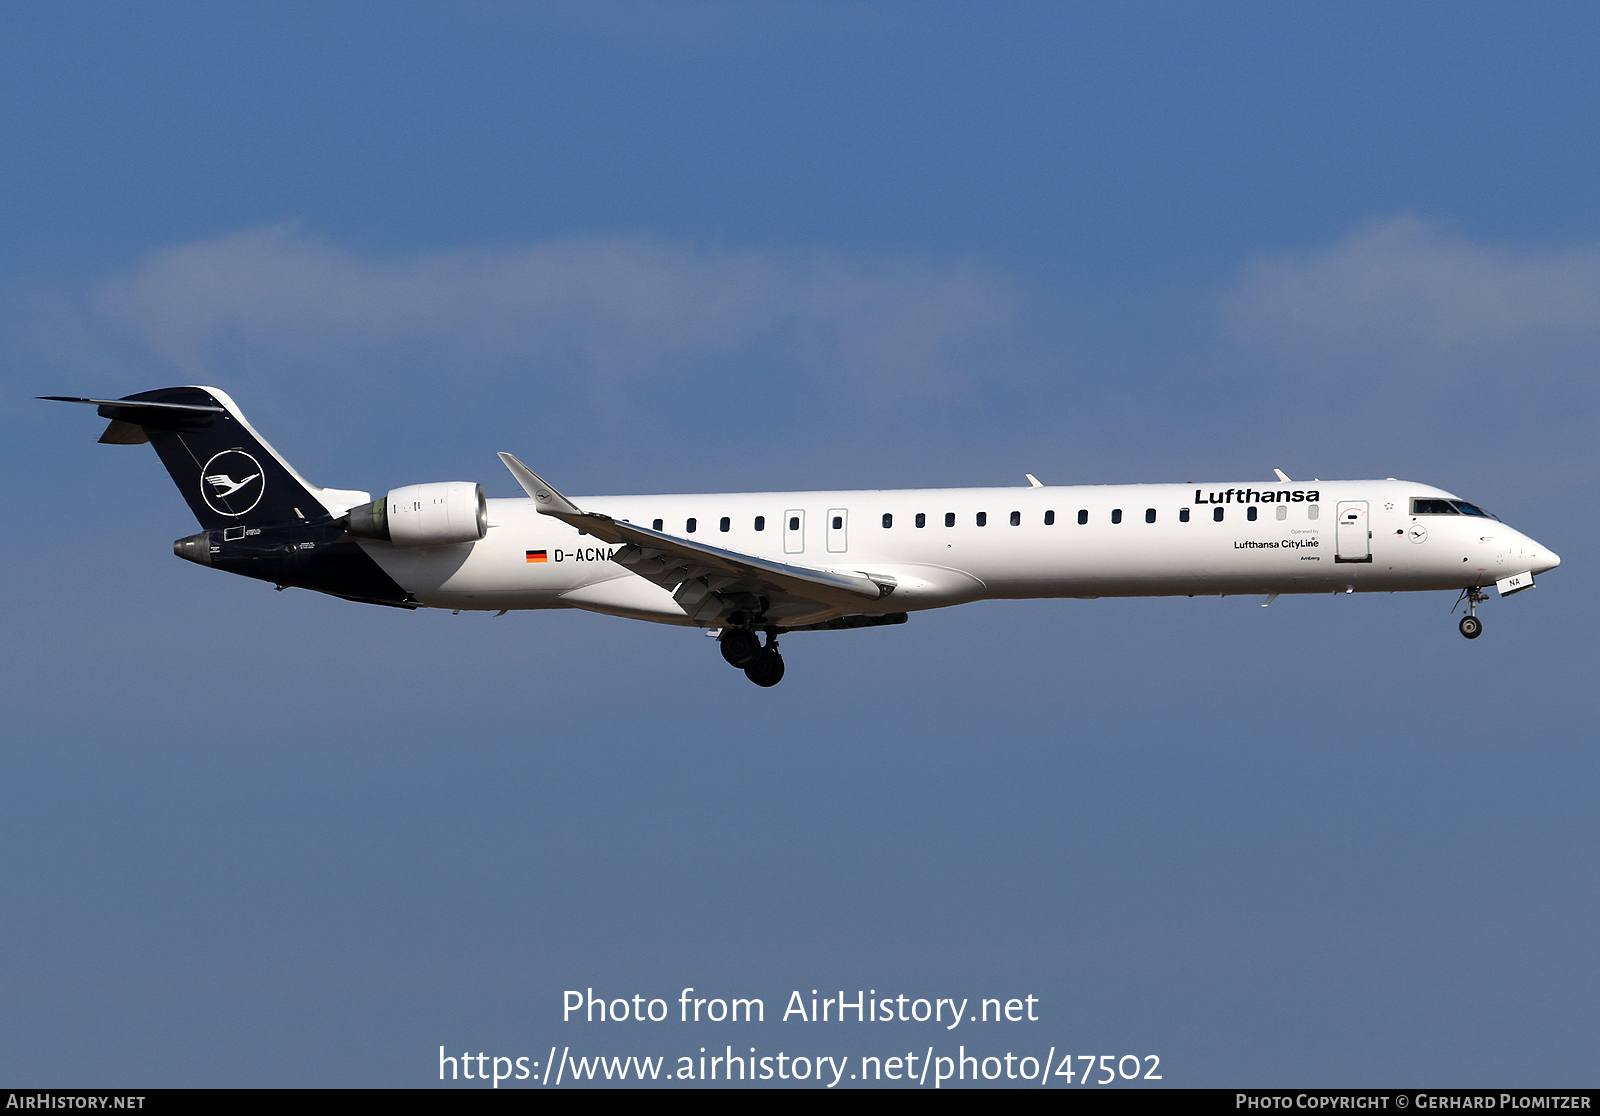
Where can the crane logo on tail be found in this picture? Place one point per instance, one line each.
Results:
(231, 482)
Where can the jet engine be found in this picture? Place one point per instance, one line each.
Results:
(424, 515)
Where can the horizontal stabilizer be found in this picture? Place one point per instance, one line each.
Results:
(136, 404)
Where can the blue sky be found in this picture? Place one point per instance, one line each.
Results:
(280, 839)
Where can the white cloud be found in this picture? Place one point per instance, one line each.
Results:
(1405, 292)
(614, 310)
(1400, 345)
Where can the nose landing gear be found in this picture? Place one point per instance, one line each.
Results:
(742, 648)
(1471, 626)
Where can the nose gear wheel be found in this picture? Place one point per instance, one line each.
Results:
(1470, 625)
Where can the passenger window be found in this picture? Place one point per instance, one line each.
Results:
(1116, 515)
(690, 526)
(1311, 512)
(1250, 514)
(1149, 515)
(724, 523)
(1083, 516)
(949, 519)
(794, 523)
(1049, 518)
(1216, 514)
(888, 521)
(983, 519)
(761, 523)
(1183, 515)
(655, 525)
(1282, 511)
(1016, 519)
(838, 522)
(922, 519)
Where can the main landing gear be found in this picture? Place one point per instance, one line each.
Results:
(742, 648)
(1471, 626)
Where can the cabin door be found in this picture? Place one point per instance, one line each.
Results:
(1353, 536)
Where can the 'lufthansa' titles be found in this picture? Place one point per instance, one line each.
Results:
(1259, 496)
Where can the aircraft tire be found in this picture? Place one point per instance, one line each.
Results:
(739, 646)
(766, 669)
(1471, 627)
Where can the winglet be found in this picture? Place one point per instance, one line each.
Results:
(1033, 480)
(1284, 477)
(548, 500)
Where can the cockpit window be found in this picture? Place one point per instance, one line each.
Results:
(1447, 507)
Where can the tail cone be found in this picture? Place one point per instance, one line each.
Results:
(195, 548)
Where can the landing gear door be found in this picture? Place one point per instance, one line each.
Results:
(794, 531)
(1353, 535)
(838, 525)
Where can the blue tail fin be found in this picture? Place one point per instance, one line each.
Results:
(225, 470)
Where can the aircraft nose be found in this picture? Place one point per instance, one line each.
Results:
(1541, 558)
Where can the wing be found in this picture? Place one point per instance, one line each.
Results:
(707, 581)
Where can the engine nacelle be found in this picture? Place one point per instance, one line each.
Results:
(424, 515)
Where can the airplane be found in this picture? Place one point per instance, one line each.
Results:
(746, 565)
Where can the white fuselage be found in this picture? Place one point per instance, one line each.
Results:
(1071, 541)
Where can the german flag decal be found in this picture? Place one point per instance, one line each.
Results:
(537, 556)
